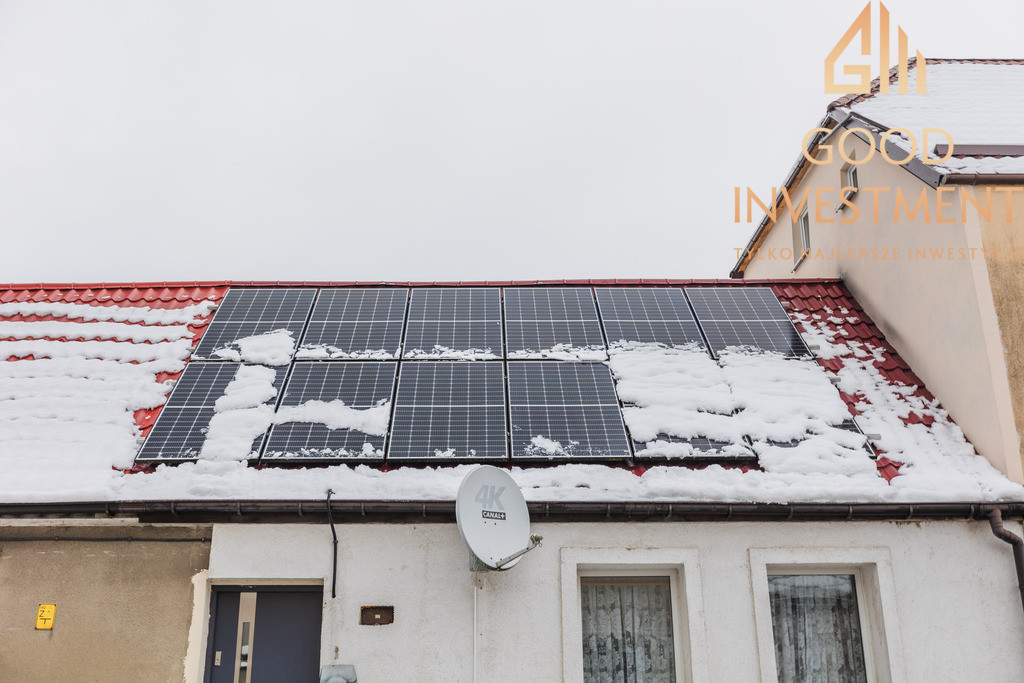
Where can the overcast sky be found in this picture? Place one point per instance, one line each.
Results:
(418, 140)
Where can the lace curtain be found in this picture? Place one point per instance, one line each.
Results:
(817, 629)
(627, 630)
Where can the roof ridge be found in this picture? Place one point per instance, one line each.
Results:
(413, 283)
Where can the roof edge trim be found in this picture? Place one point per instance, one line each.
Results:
(444, 511)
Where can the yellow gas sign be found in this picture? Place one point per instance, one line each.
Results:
(44, 617)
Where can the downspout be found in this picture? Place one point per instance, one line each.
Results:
(995, 518)
(334, 534)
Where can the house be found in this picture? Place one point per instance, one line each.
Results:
(916, 201)
(734, 480)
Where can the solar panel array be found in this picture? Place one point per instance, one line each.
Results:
(467, 373)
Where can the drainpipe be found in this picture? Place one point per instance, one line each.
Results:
(334, 534)
(995, 518)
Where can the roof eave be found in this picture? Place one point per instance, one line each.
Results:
(419, 511)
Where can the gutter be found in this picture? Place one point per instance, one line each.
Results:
(443, 511)
(983, 179)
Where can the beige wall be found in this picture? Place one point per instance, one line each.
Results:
(937, 312)
(123, 607)
(1003, 238)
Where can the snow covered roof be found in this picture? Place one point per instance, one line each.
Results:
(977, 101)
(89, 369)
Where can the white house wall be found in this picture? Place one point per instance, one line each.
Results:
(946, 593)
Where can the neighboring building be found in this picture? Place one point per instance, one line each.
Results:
(734, 481)
(944, 283)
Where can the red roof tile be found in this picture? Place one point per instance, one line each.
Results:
(896, 370)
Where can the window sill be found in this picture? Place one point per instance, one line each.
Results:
(803, 257)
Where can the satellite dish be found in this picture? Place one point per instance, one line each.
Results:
(493, 519)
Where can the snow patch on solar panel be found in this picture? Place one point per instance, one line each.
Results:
(541, 444)
(567, 352)
(750, 395)
(678, 392)
(270, 348)
(446, 353)
(326, 351)
(241, 415)
(337, 415)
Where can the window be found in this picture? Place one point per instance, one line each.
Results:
(633, 615)
(850, 181)
(802, 238)
(627, 628)
(826, 614)
(817, 627)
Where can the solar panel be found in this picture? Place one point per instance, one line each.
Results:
(180, 430)
(648, 315)
(564, 410)
(552, 321)
(448, 323)
(745, 316)
(363, 386)
(250, 312)
(447, 409)
(355, 323)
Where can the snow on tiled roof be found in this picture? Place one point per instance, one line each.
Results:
(88, 370)
(978, 102)
(89, 367)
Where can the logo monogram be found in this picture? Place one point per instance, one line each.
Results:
(862, 25)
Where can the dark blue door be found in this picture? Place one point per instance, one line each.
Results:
(264, 635)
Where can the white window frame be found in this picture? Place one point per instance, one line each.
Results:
(849, 176)
(851, 179)
(804, 223)
(876, 602)
(800, 254)
(682, 567)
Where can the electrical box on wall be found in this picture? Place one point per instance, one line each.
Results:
(377, 616)
(44, 616)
